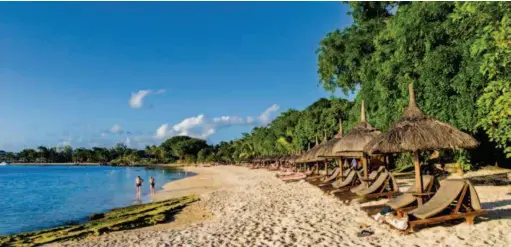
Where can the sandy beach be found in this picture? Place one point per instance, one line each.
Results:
(243, 207)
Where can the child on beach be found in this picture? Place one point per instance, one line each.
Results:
(138, 182)
(151, 182)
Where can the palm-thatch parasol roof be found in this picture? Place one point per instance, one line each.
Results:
(416, 131)
(293, 157)
(353, 143)
(306, 157)
(327, 149)
(312, 155)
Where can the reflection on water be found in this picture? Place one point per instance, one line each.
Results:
(35, 197)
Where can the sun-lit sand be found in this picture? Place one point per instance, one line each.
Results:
(243, 207)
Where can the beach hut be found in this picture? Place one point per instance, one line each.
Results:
(415, 131)
(352, 144)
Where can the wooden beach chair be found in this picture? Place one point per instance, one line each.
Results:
(325, 179)
(349, 182)
(456, 199)
(331, 180)
(384, 186)
(358, 184)
(327, 185)
(294, 178)
(273, 167)
(313, 175)
(408, 200)
(315, 178)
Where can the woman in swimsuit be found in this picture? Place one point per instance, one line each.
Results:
(138, 182)
(151, 182)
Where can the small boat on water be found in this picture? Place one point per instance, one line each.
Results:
(3, 163)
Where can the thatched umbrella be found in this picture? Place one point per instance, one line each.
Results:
(312, 155)
(416, 131)
(327, 149)
(304, 158)
(352, 144)
(308, 156)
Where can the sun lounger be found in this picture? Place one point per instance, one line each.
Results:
(349, 182)
(331, 180)
(348, 175)
(384, 186)
(326, 179)
(361, 184)
(293, 178)
(318, 177)
(408, 201)
(456, 199)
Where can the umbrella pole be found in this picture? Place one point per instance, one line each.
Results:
(317, 167)
(364, 164)
(339, 162)
(326, 167)
(418, 176)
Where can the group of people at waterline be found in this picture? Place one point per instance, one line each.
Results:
(139, 181)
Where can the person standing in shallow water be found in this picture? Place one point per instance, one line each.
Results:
(138, 183)
(152, 182)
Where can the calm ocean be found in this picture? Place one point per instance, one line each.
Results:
(36, 197)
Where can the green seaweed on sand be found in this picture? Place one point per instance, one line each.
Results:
(124, 218)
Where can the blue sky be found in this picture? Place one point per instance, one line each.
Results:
(89, 74)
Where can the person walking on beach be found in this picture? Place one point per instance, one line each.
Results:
(138, 182)
(152, 182)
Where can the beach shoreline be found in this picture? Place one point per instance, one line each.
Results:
(203, 180)
(58, 164)
(243, 207)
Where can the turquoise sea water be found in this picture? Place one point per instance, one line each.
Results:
(37, 197)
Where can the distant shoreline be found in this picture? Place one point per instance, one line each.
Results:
(57, 164)
(174, 165)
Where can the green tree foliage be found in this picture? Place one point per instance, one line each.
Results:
(182, 147)
(457, 55)
(291, 132)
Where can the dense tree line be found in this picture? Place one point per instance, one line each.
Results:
(291, 132)
(457, 55)
(179, 148)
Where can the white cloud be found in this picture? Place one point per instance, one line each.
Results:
(137, 98)
(202, 127)
(265, 116)
(114, 129)
(162, 131)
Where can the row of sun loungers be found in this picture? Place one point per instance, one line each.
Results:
(446, 200)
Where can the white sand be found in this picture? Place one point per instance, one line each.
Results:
(256, 209)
